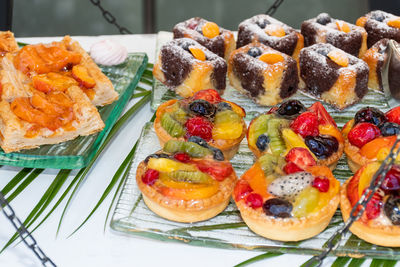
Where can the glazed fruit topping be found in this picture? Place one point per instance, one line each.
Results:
(395, 23)
(271, 58)
(254, 52)
(290, 109)
(306, 202)
(339, 57)
(150, 176)
(278, 207)
(262, 142)
(374, 207)
(389, 128)
(371, 115)
(210, 95)
(343, 26)
(210, 30)
(242, 189)
(262, 23)
(322, 146)
(323, 18)
(323, 115)
(223, 106)
(218, 170)
(182, 157)
(291, 167)
(198, 140)
(392, 179)
(289, 186)
(199, 126)
(275, 30)
(157, 156)
(192, 149)
(362, 133)
(393, 115)
(321, 183)
(197, 53)
(172, 127)
(392, 209)
(254, 200)
(217, 153)
(268, 163)
(301, 157)
(305, 124)
(202, 107)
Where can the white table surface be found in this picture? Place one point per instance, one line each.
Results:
(91, 246)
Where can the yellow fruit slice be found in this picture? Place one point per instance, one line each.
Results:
(292, 140)
(366, 176)
(227, 130)
(339, 57)
(210, 30)
(347, 127)
(271, 58)
(169, 165)
(198, 53)
(306, 202)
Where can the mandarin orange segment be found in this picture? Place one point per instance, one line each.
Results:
(371, 149)
(275, 30)
(256, 178)
(210, 30)
(81, 74)
(271, 58)
(339, 57)
(343, 26)
(395, 23)
(329, 129)
(361, 21)
(198, 53)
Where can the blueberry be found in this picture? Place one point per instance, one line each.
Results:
(198, 140)
(217, 154)
(224, 106)
(254, 52)
(262, 142)
(185, 46)
(392, 209)
(323, 146)
(156, 156)
(262, 23)
(371, 115)
(323, 51)
(202, 107)
(323, 18)
(278, 207)
(290, 109)
(378, 16)
(389, 128)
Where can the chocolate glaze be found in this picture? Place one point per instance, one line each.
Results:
(250, 75)
(378, 30)
(290, 80)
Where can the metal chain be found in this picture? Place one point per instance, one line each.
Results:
(110, 18)
(358, 209)
(26, 236)
(271, 11)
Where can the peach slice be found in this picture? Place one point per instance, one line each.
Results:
(52, 82)
(210, 30)
(256, 178)
(343, 26)
(275, 30)
(60, 99)
(371, 149)
(81, 74)
(366, 176)
(198, 53)
(271, 58)
(40, 102)
(189, 193)
(339, 57)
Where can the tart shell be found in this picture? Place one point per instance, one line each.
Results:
(354, 159)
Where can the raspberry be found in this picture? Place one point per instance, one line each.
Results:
(210, 95)
(321, 183)
(254, 200)
(242, 189)
(150, 176)
(393, 115)
(291, 167)
(306, 124)
(362, 133)
(199, 126)
(301, 157)
(182, 157)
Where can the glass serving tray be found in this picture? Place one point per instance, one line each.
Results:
(77, 153)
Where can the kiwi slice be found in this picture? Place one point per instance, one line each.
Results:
(174, 128)
(173, 146)
(258, 127)
(276, 144)
(195, 177)
(268, 163)
(194, 150)
(226, 116)
(180, 115)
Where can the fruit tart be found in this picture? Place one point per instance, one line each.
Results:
(287, 204)
(370, 135)
(380, 222)
(186, 182)
(290, 126)
(207, 33)
(205, 118)
(8, 44)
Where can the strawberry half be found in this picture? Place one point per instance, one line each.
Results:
(301, 157)
(291, 167)
(393, 115)
(210, 95)
(242, 189)
(363, 133)
(218, 170)
(322, 114)
(306, 124)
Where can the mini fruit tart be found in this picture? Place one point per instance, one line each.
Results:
(380, 222)
(287, 207)
(205, 118)
(370, 135)
(185, 183)
(290, 126)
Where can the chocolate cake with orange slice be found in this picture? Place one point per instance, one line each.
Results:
(186, 67)
(292, 125)
(262, 73)
(207, 33)
(380, 222)
(324, 29)
(186, 182)
(206, 119)
(332, 75)
(370, 136)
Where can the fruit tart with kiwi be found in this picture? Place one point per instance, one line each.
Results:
(380, 222)
(206, 116)
(186, 181)
(370, 135)
(287, 199)
(292, 125)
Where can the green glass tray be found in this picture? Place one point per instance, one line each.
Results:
(77, 153)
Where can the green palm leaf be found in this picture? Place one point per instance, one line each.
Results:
(16, 180)
(258, 258)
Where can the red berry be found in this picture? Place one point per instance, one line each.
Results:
(199, 126)
(321, 183)
(219, 170)
(393, 115)
(210, 95)
(150, 176)
(301, 157)
(254, 200)
(392, 179)
(306, 124)
(182, 157)
(242, 189)
(374, 206)
(362, 133)
(323, 115)
(291, 167)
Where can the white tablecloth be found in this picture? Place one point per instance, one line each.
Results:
(91, 246)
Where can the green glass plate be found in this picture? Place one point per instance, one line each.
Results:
(77, 153)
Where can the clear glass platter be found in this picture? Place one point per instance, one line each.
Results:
(77, 153)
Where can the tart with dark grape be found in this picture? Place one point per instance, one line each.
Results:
(292, 125)
(185, 182)
(370, 136)
(380, 222)
(287, 205)
(205, 118)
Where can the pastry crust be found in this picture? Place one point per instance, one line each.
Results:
(382, 235)
(13, 130)
(186, 210)
(7, 43)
